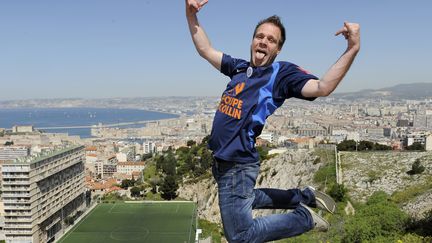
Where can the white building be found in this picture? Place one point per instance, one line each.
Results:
(23, 129)
(13, 152)
(105, 169)
(375, 131)
(268, 136)
(130, 167)
(39, 192)
(428, 145)
(126, 154)
(149, 147)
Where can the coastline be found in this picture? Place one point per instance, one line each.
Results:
(80, 120)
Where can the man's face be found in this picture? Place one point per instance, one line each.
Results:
(265, 45)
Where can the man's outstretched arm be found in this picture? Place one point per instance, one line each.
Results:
(331, 79)
(199, 37)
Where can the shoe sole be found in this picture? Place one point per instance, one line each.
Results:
(322, 228)
(325, 201)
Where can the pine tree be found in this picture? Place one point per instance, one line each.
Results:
(169, 188)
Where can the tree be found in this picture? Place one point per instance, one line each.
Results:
(416, 168)
(135, 191)
(169, 188)
(378, 146)
(147, 156)
(347, 145)
(160, 160)
(9, 143)
(338, 192)
(127, 183)
(415, 146)
(154, 182)
(188, 165)
(190, 143)
(182, 151)
(205, 140)
(365, 145)
(169, 165)
(206, 159)
(263, 152)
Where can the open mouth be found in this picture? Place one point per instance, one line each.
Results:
(260, 54)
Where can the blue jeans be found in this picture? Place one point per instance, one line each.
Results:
(237, 199)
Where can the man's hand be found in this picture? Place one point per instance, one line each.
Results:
(199, 37)
(331, 79)
(193, 6)
(351, 32)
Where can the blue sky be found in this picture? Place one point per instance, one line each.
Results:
(125, 48)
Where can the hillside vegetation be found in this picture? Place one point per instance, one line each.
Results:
(389, 204)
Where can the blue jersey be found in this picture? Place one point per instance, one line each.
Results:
(252, 95)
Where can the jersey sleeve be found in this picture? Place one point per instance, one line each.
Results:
(290, 81)
(230, 65)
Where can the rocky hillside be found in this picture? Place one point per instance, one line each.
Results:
(366, 172)
(363, 173)
(288, 170)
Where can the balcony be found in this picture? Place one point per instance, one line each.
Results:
(15, 189)
(21, 219)
(15, 168)
(16, 207)
(12, 226)
(51, 170)
(9, 176)
(17, 201)
(16, 232)
(6, 194)
(17, 214)
(18, 183)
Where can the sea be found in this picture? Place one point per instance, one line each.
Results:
(68, 119)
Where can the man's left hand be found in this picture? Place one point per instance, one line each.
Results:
(351, 32)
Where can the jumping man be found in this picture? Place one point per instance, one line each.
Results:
(257, 88)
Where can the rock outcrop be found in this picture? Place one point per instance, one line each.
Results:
(292, 169)
(363, 173)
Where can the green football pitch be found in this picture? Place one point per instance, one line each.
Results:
(136, 222)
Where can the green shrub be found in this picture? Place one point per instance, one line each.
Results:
(338, 192)
(210, 229)
(379, 219)
(416, 168)
(410, 192)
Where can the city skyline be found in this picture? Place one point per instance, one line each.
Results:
(103, 49)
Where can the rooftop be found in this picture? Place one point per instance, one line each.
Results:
(43, 155)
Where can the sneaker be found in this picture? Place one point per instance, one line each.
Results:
(320, 224)
(324, 201)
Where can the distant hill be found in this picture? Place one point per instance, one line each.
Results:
(401, 91)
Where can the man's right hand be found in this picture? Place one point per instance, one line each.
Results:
(193, 6)
(199, 37)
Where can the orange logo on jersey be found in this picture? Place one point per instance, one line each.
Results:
(231, 106)
(239, 88)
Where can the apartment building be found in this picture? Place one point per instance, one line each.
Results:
(130, 167)
(13, 152)
(105, 169)
(40, 191)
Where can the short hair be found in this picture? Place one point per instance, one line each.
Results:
(277, 22)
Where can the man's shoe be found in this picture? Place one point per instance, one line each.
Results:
(320, 224)
(324, 201)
